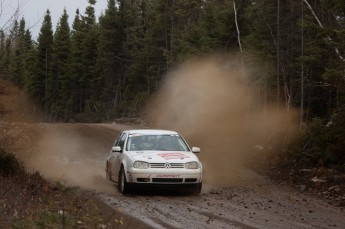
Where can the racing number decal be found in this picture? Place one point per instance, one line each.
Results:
(168, 176)
(171, 156)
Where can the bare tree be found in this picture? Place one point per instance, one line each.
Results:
(14, 12)
(7, 23)
(238, 33)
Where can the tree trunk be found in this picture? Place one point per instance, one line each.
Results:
(278, 53)
(238, 33)
(302, 71)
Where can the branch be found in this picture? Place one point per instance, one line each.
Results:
(9, 23)
(17, 12)
(321, 26)
(238, 30)
(286, 89)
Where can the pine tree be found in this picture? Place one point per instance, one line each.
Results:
(2, 50)
(38, 84)
(30, 60)
(149, 51)
(75, 66)
(134, 50)
(59, 83)
(6, 57)
(11, 61)
(260, 42)
(108, 61)
(18, 54)
(160, 34)
(109, 68)
(89, 56)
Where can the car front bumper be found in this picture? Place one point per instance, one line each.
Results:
(164, 176)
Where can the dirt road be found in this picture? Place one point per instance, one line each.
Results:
(76, 153)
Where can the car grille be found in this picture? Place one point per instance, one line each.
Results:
(167, 165)
(167, 180)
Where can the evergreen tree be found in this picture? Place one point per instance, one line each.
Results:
(10, 60)
(38, 84)
(160, 35)
(109, 68)
(260, 42)
(76, 67)
(30, 60)
(323, 68)
(89, 56)
(59, 83)
(5, 55)
(214, 31)
(18, 48)
(3, 51)
(149, 50)
(134, 50)
(108, 61)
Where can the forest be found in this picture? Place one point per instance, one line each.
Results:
(99, 69)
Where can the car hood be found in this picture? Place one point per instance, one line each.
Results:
(164, 156)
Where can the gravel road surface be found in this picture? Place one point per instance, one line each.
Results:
(76, 153)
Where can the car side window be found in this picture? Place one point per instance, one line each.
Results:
(121, 143)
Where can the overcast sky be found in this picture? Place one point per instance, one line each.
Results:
(33, 11)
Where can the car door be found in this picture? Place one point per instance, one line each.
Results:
(117, 156)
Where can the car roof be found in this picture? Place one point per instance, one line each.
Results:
(151, 132)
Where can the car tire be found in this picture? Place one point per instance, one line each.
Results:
(123, 184)
(197, 188)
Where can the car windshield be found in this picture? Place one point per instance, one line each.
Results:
(139, 142)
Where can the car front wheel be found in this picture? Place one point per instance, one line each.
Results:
(197, 189)
(123, 185)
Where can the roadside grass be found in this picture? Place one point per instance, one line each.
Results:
(29, 201)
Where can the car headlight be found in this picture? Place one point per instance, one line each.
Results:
(192, 165)
(141, 165)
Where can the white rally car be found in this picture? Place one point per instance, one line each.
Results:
(153, 157)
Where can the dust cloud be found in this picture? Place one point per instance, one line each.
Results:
(15, 105)
(63, 154)
(212, 103)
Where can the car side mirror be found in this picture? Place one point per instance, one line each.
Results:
(196, 150)
(116, 149)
